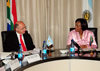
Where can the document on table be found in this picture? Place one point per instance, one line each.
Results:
(2, 69)
(97, 49)
(4, 55)
(34, 51)
(89, 49)
(6, 61)
(14, 64)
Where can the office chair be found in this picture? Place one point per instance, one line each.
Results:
(4, 35)
(94, 30)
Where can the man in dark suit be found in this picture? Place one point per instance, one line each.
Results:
(13, 40)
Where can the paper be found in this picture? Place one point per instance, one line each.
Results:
(2, 69)
(97, 49)
(14, 64)
(30, 52)
(33, 58)
(86, 49)
(37, 50)
(34, 51)
(6, 61)
(89, 49)
(5, 55)
(63, 51)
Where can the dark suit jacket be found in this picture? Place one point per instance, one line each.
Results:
(12, 43)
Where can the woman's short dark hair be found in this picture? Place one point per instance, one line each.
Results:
(83, 22)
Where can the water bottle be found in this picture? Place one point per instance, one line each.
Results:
(44, 51)
(20, 55)
(44, 48)
(72, 49)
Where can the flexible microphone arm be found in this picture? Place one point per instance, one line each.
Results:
(76, 45)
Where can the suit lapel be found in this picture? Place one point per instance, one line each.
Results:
(16, 39)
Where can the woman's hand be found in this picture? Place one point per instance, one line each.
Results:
(83, 46)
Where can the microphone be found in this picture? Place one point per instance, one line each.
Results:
(76, 45)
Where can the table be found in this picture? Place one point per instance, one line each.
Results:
(65, 62)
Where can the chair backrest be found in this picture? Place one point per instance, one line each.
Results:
(4, 35)
(94, 30)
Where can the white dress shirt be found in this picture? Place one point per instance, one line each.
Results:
(18, 35)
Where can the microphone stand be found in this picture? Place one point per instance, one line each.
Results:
(91, 41)
(91, 51)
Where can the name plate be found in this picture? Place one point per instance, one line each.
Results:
(14, 64)
(33, 58)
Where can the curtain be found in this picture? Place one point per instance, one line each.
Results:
(48, 17)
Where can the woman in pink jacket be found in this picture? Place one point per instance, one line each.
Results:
(81, 35)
